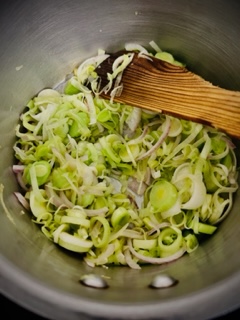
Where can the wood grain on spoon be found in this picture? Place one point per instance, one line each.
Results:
(160, 86)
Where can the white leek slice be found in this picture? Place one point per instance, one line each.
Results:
(73, 243)
(198, 193)
(175, 209)
(38, 204)
(175, 127)
(131, 46)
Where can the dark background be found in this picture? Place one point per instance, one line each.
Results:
(10, 310)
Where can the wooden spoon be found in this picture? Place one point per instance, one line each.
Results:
(163, 87)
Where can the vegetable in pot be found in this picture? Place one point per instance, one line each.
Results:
(118, 184)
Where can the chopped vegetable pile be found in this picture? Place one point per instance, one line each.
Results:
(115, 183)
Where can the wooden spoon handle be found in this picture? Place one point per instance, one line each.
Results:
(160, 86)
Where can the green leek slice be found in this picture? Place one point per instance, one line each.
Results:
(163, 195)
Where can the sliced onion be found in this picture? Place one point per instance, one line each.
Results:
(65, 201)
(18, 168)
(129, 260)
(137, 187)
(158, 143)
(58, 201)
(175, 127)
(140, 138)
(96, 212)
(20, 181)
(22, 200)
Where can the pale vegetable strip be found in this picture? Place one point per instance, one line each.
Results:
(117, 184)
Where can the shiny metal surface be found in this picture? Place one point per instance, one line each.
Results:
(40, 43)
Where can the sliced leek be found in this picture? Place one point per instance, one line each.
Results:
(118, 184)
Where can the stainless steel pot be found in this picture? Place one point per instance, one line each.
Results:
(41, 42)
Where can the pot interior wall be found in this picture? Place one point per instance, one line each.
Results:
(41, 42)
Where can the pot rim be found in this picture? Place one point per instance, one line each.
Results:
(33, 295)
